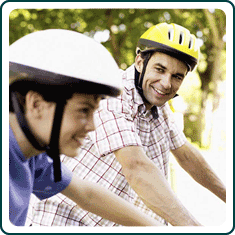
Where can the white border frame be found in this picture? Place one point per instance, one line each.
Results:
(226, 7)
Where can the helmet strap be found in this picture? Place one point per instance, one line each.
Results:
(139, 79)
(53, 148)
(23, 123)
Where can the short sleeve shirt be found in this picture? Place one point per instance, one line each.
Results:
(120, 122)
(30, 176)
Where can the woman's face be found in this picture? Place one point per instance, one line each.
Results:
(77, 121)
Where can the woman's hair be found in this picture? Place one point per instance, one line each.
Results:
(50, 93)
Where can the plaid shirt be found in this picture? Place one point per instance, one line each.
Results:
(121, 122)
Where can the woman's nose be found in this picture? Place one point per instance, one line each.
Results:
(90, 125)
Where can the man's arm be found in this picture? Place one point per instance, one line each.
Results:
(191, 160)
(98, 200)
(149, 183)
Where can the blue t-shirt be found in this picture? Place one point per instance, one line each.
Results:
(34, 175)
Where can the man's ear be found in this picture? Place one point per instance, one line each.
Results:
(34, 104)
(139, 63)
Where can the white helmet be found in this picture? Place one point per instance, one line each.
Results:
(61, 58)
(63, 54)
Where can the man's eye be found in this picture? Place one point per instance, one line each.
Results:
(178, 77)
(160, 69)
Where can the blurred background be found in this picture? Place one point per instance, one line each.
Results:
(200, 109)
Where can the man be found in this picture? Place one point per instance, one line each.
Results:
(55, 87)
(128, 153)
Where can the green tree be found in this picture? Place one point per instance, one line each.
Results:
(210, 26)
(123, 27)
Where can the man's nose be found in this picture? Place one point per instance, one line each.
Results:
(166, 81)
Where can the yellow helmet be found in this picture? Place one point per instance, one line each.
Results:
(171, 39)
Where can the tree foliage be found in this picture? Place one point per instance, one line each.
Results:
(122, 29)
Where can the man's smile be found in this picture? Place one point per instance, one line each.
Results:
(159, 92)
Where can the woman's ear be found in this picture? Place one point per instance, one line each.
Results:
(139, 63)
(34, 104)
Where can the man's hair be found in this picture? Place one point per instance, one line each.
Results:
(146, 54)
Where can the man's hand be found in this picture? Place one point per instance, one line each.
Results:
(152, 187)
(191, 160)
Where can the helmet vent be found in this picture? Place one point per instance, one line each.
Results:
(190, 43)
(181, 38)
(170, 34)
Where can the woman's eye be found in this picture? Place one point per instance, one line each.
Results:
(84, 111)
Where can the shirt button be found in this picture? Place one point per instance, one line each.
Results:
(48, 188)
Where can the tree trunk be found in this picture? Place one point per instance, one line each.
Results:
(210, 78)
(113, 38)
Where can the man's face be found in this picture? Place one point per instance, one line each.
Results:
(163, 76)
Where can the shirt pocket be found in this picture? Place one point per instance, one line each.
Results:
(158, 148)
